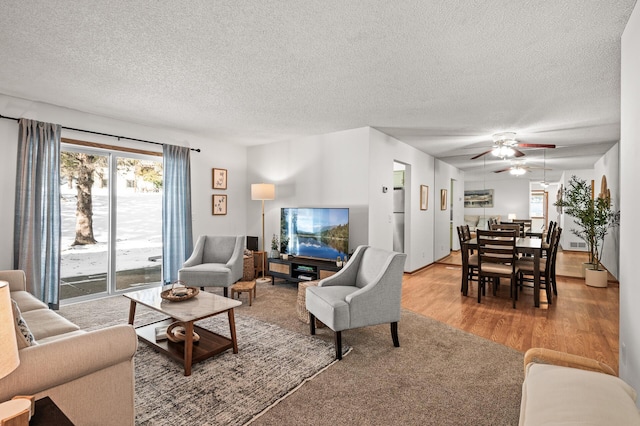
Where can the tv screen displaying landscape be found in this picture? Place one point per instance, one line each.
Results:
(320, 233)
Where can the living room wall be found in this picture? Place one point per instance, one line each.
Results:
(510, 195)
(346, 169)
(221, 155)
(630, 203)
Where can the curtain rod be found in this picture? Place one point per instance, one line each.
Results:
(102, 134)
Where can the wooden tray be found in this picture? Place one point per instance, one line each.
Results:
(191, 292)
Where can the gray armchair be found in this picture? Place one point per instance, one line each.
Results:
(365, 292)
(216, 261)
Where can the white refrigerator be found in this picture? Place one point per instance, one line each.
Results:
(398, 220)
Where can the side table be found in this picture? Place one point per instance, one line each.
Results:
(244, 287)
(259, 261)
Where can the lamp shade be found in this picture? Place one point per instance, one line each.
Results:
(9, 359)
(263, 191)
(511, 216)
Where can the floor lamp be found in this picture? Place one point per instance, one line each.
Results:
(262, 192)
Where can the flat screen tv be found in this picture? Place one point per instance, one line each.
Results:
(316, 233)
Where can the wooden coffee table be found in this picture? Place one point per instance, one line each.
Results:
(202, 306)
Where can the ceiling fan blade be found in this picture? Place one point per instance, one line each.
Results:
(503, 170)
(480, 155)
(534, 145)
(517, 153)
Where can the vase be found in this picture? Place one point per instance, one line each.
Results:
(274, 254)
(595, 278)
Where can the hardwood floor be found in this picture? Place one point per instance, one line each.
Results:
(582, 320)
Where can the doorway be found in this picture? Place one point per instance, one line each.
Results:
(399, 206)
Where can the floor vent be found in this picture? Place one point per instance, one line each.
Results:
(578, 245)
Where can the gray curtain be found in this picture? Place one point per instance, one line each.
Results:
(177, 236)
(36, 240)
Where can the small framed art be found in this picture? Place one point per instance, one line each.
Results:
(443, 199)
(219, 206)
(219, 178)
(424, 197)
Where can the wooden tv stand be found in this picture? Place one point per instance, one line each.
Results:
(296, 269)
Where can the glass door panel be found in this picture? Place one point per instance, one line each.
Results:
(84, 206)
(138, 225)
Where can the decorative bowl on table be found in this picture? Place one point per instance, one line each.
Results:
(179, 292)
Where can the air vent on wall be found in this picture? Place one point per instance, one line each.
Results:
(578, 245)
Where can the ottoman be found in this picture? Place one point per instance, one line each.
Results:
(301, 306)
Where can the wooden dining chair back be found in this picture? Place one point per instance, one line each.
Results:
(526, 270)
(497, 258)
(468, 258)
(507, 227)
(554, 255)
(552, 226)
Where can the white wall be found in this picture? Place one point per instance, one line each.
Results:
(419, 229)
(566, 222)
(609, 166)
(347, 169)
(216, 154)
(630, 203)
(509, 196)
(330, 170)
(446, 237)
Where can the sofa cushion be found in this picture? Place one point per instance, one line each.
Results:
(554, 395)
(46, 323)
(27, 302)
(24, 336)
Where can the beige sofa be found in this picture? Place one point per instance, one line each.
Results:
(89, 375)
(475, 221)
(565, 389)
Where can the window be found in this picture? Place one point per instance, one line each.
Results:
(538, 205)
(111, 205)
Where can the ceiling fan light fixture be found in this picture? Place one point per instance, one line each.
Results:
(517, 171)
(544, 184)
(503, 151)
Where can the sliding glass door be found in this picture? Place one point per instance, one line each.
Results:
(111, 222)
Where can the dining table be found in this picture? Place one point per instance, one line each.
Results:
(524, 245)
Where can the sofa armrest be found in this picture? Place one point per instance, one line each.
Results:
(16, 279)
(549, 356)
(54, 363)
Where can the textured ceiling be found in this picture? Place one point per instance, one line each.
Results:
(439, 75)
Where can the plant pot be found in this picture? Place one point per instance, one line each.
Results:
(595, 278)
(585, 266)
(274, 254)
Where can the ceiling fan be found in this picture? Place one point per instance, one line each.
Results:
(505, 145)
(519, 168)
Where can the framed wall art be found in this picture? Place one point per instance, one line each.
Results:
(424, 197)
(443, 199)
(219, 205)
(219, 178)
(478, 198)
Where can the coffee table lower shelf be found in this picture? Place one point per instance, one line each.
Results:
(210, 343)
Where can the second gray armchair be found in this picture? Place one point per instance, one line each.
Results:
(365, 292)
(216, 261)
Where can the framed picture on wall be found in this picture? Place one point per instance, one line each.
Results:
(219, 178)
(424, 197)
(219, 205)
(443, 199)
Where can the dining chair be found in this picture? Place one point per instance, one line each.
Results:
(553, 261)
(552, 226)
(497, 258)
(507, 227)
(468, 258)
(526, 270)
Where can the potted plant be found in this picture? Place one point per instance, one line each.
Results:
(274, 247)
(284, 244)
(594, 217)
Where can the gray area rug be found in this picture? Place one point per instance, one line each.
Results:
(228, 389)
(438, 376)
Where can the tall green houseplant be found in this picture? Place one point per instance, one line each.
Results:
(594, 217)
